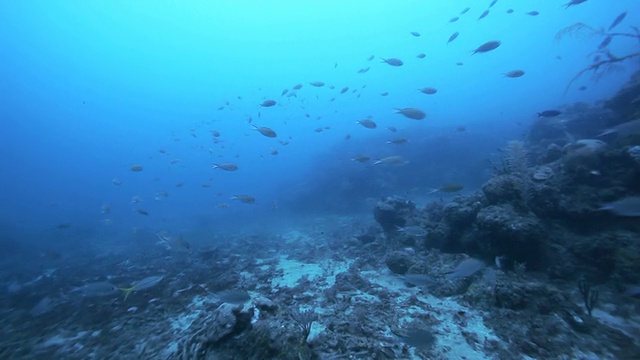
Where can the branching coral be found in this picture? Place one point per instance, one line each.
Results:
(605, 62)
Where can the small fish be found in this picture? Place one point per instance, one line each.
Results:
(116, 181)
(464, 11)
(549, 113)
(466, 268)
(62, 226)
(226, 166)
(461, 128)
(361, 158)
(493, 3)
(268, 103)
(347, 136)
(136, 168)
(419, 338)
(142, 212)
(233, 297)
(245, 199)
(450, 188)
(573, 2)
(453, 37)
(509, 11)
(617, 20)
(172, 242)
(297, 87)
(486, 47)
(626, 207)
(143, 284)
(428, 90)
(393, 61)
(625, 129)
(344, 90)
(454, 19)
(368, 123)
(384, 94)
(412, 113)
(484, 14)
(392, 161)
(363, 70)
(421, 56)
(415, 231)
(96, 289)
(392, 129)
(284, 92)
(415, 33)
(215, 133)
(317, 83)
(533, 13)
(273, 151)
(514, 73)
(605, 42)
(268, 132)
(370, 57)
(397, 141)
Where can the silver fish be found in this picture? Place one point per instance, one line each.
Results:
(628, 207)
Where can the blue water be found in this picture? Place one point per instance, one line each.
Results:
(90, 88)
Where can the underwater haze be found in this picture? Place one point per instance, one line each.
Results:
(129, 126)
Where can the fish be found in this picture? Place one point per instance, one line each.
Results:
(392, 161)
(625, 129)
(464, 11)
(268, 132)
(178, 244)
(493, 3)
(484, 14)
(243, 198)
(419, 279)
(368, 123)
(136, 168)
(344, 90)
(370, 57)
(398, 141)
(268, 103)
(514, 73)
(486, 47)
(428, 90)
(215, 133)
(142, 212)
(549, 113)
(573, 2)
(412, 113)
(233, 297)
(509, 11)
(273, 151)
(533, 13)
(392, 129)
(116, 181)
(625, 207)
(361, 158)
(44, 306)
(384, 94)
(454, 19)
(466, 268)
(421, 56)
(62, 226)
(317, 83)
(453, 37)
(143, 284)
(96, 289)
(226, 166)
(419, 338)
(415, 33)
(416, 231)
(617, 20)
(363, 70)
(297, 87)
(450, 188)
(393, 61)
(284, 92)
(605, 42)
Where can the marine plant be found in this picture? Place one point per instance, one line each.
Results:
(305, 319)
(604, 61)
(589, 296)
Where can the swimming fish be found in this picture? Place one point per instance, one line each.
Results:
(416, 231)
(514, 73)
(625, 129)
(143, 284)
(268, 103)
(96, 289)
(392, 161)
(412, 113)
(627, 207)
(486, 47)
(453, 37)
(549, 113)
(136, 168)
(226, 166)
(466, 268)
(317, 83)
(393, 61)
(368, 123)
(243, 198)
(268, 132)
(428, 90)
(617, 20)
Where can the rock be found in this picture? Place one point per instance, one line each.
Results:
(392, 212)
(399, 262)
(503, 189)
(542, 173)
(552, 153)
(506, 232)
(265, 304)
(584, 154)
